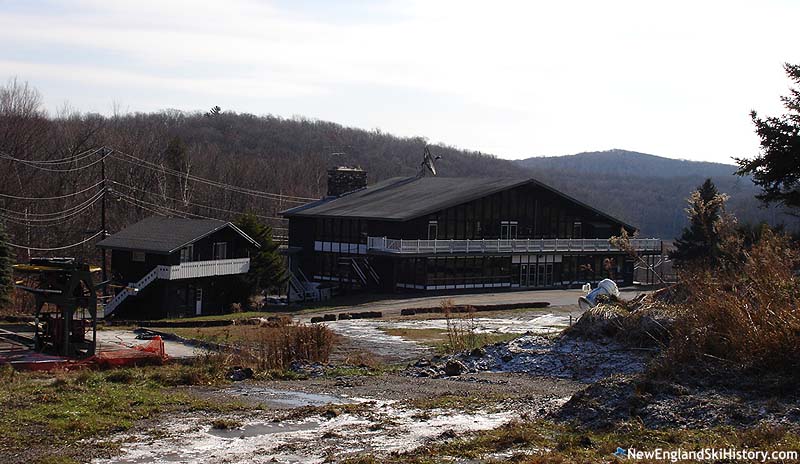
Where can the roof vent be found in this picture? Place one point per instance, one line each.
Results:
(343, 180)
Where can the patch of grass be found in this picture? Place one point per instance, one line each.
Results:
(224, 423)
(431, 337)
(328, 411)
(223, 317)
(39, 409)
(543, 441)
(438, 339)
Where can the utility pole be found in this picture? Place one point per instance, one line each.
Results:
(103, 213)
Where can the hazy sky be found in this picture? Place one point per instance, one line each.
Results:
(515, 79)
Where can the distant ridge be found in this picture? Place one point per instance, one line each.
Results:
(648, 191)
(640, 164)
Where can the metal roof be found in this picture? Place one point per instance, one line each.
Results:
(401, 199)
(165, 235)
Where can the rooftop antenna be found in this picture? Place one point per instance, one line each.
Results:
(427, 162)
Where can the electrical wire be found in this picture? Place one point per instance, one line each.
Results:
(187, 176)
(13, 197)
(80, 168)
(44, 222)
(56, 248)
(198, 204)
(23, 216)
(70, 159)
(160, 209)
(128, 158)
(9, 220)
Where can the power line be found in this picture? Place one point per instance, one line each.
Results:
(41, 168)
(128, 158)
(58, 222)
(56, 248)
(222, 185)
(160, 209)
(69, 159)
(198, 204)
(21, 215)
(13, 197)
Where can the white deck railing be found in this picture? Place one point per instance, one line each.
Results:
(547, 245)
(181, 271)
(211, 268)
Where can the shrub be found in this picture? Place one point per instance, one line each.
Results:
(461, 333)
(743, 314)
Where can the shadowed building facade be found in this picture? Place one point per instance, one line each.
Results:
(174, 267)
(435, 233)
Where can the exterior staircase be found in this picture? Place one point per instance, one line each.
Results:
(301, 289)
(188, 270)
(132, 289)
(362, 270)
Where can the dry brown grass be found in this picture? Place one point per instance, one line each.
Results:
(272, 346)
(743, 315)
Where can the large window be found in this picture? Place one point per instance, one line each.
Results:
(433, 230)
(508, 230)
(220, 250)
(577, 229)
(187, 254)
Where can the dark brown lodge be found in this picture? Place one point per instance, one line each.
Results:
(172, 267)
(436, 233)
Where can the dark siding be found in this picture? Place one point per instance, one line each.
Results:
(537, 211)
(177, 298)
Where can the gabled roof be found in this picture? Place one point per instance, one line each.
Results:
(165, 235)
(401, 199)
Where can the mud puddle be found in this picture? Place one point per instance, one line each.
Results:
(370, 335)
(381, 428)
(276, 398)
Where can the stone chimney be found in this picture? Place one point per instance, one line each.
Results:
(343, 180)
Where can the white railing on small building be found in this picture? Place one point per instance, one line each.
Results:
(188, 270)
(547, 245)
(194, 269)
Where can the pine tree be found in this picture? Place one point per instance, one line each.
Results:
(777, 168)
(701, 241)
(267, 270)
(6, 274)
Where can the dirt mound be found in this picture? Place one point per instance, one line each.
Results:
(564, 357)
(644, 322)
(670, 404)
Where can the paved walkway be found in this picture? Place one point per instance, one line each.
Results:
(565, 300)
(109, 340)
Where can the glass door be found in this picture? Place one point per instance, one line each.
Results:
(544, 275)
(198, 303)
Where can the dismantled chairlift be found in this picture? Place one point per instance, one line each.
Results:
(65, 286)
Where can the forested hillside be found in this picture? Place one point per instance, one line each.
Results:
(221, 164)
(649, 191)
(161, 163)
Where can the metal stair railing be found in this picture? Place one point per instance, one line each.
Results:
(132, 289)
(371, 271)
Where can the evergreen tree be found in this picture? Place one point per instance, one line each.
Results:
(6, 273)
(701, 241)
(777, 168)
(267, 270)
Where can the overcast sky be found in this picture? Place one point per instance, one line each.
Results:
(515, 79)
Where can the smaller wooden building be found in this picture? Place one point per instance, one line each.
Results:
(172, 267)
